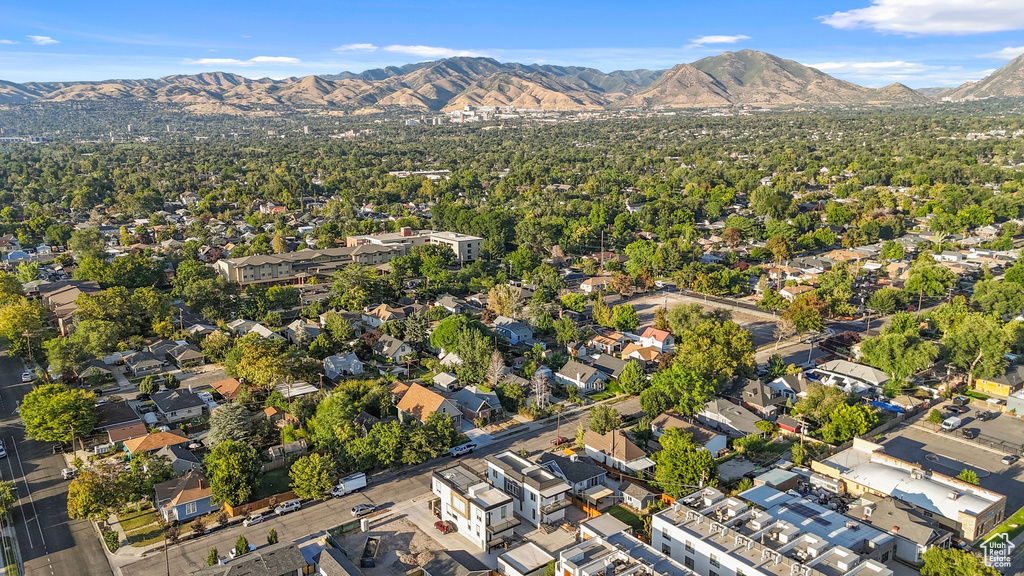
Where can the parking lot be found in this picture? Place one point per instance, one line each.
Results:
(949, 452)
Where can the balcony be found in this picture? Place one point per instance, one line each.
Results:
(503, 525)
(556, 506)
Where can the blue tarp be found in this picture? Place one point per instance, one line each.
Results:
(886, 406)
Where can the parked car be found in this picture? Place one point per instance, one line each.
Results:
(462, 450)
(959, 409)
(444, 526)
(986, 416)
(3, 451)
(961, 401)
(1008, 459)
(252, 519)
(27, 376)
(559, 441)
(286, 507)
(68, 473)
(142, 397)
(969, 433)
(360, 510)
(951, 423)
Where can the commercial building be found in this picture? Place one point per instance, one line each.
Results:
(465, 247)
(782, 534)
(965, 509)
(481, 513)
(539, 495)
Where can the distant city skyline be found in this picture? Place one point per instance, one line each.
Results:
(870, 42)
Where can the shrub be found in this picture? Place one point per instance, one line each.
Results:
(112, 540)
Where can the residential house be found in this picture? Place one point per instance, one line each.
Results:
(615, 450)
(914, 531)
(452, 304)
(646, 355)
(490, 397)
(579, 472)
(383, 314)
(241, 327)
(143, 363)
(228, 388)
(392, 348)
(790, 386)
(119, 422)
(333, 562)
(513, 331)
(481, 513)
(9, 243)
(446, 381)
(760, 398)
(186, 355)
(419, 403)
(279, 417)
(595, 284)
(181, 458)
(586, 379)
(660, 340)
(185, 497)
(609, 365)
(708, 439)
(724, 416)
(364, 421)
(538, 496)
(178, 405)
(473, 407)
(611, 343)
(281, 559)
(152, 442)
(301, 332)
(851, 377)
(342, 365)
(283, 454)
(1003, 385)
(791, 293)
(60, 299)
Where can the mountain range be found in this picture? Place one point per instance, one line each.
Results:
(746, 77)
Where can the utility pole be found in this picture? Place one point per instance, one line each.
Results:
(28, 342)
(602, 251)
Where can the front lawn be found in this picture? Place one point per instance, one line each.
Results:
(133, 520)
(273, 482)
(614, 387)
(142, 527)
(1013, 525)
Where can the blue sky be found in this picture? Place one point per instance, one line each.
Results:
(871, 42)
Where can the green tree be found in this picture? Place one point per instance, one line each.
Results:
(390, 442)
(641, 257)
(213, 558)
(898, 355)
(682, 466)
(625, 318)
(8, 496)
(721, 351)
(260, 361)
(312, 476)
(978, 346)
(604, 419)
(632, 379)
(939, 561)
(54, 412)
(149, 385)
(87, 243)
(969, 476)
(820, 402)
(19, 317)
(446, 334)
(566, 330)
(241, 546)
(806, 313)
(231, 421)
(886, 300)
(233, 468)
(845, 422)
(685, 389)
(935, 417)
(27, 272)
(91, 495)
(994, 296)
(927, 278)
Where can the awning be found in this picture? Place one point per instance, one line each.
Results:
(640, 464)
(597, 492)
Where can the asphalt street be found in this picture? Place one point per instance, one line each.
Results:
(51, 544)
(384, 490)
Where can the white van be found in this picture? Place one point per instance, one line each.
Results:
(951, 423)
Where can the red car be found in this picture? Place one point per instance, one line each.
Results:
(559, 441)
(444, 526)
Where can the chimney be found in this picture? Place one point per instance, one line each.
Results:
(895, 529)
(200, 483)
(864, 516)
(406, 231)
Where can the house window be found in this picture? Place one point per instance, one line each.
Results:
(689, 547)
(666, 549)
(533, 497)
(191, 508)
(534, 513)
(885, 556)
(504, 512)
(714, 561)
(688, 562)
(664, 534)
(712, 573)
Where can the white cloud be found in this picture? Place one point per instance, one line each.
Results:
(5, 41)
(702, 40)
(1008, 53)
(356, 48)
(43, 40)
(274, 60)
(862, 68)
(430, 51)
(249, 62)
(917, 17)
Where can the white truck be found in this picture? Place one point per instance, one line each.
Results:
(349, 484)
(951, 423)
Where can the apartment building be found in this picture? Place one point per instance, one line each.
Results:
(617, 554)
(962, 508)
(292, 267)
(481, 513)
(465, 247)
(538, 495)
(781, 534)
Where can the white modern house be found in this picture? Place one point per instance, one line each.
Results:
(538, 495)
(481, 513)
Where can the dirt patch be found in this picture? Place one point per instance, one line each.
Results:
(403, 547)
(761, 327)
